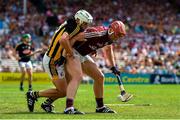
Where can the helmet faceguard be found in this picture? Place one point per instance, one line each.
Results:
(84, 16)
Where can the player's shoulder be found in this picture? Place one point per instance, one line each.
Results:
(101, 28)
(68, 23)
(71, 21)
(91, 29)
(96, 29)
(18, 45)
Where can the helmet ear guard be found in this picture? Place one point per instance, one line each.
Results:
(83, 16)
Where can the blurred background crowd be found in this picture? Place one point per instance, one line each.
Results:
(152, 44)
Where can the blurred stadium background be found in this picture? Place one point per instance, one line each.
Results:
(153, 27)
(152, 45)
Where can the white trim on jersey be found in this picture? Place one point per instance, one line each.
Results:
(94, 34)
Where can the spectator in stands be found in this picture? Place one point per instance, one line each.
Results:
(152, 22)
(8, 52)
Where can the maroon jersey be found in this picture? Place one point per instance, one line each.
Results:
(96, 37)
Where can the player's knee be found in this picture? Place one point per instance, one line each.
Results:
(63, 94)
(79, 77)
(29, 71)
(23, 73)
(29, 74)
(100, 79)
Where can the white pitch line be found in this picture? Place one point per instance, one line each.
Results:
(128, 104)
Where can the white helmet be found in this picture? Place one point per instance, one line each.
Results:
(84, 16)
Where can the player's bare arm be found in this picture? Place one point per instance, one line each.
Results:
(78, 37)
(109, 54)
(35, 52)
(66, 44)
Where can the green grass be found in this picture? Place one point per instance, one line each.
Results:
(165, 100)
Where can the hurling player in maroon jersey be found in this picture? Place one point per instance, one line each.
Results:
(102, 37)
(95, 38)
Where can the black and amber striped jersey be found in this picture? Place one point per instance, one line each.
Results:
(72, 28)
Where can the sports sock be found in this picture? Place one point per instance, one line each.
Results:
(48, 101)
(69, 102)
(21, 84)
(35, 94)
(99, 102)
(30, 87)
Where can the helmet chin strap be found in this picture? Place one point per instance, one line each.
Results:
(80, 22)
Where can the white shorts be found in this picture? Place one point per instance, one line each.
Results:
(27, 65)
(83, 58)
(58, 71)
(55, 72)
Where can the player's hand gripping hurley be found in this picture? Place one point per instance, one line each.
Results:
(124, 96)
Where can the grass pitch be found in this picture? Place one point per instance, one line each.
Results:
(165, 100)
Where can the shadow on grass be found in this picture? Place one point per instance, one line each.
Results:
(31, 113)
(43, 113)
